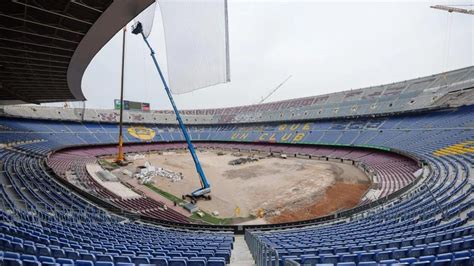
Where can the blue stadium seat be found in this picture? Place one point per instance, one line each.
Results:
(73, 255)
(305, 259)
(90, 257)
(330, 259)
(416, 252)
(124, 264)
(31, 263)
(462, 254)
(399, 253)
(11, 262)
(49, 264)
(177, 262)
(140, 260)
(43, 251)
(365, 257)
(122, 259)
(349, 258)
(462, 261)
(104, 263)
(384, 255)
(444, 256)
(388, 262)
(197, 262)
(212, 262)
(28, 257)
(422, 263)
(58, 253)
(159, 261)
(444, 262)
(46, 259)
(104, 258)
(408, 260)
(431, 250)
(429, 258)
(11, 255)
(368, 263)
(63, 261)
(84, 263)
(29, 249)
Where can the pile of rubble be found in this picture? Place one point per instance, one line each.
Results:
(133, 157)
(172, 176)
(146, 173)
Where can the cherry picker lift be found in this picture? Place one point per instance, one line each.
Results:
(205, 190)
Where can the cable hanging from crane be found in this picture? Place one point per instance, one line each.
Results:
(450, 9)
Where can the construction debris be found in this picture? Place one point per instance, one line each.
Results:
(133, 157)
(242, 161)
(127, 173)
(146, 173)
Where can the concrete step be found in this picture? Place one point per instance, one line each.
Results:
(241, 255)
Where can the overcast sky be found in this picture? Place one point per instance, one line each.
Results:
(325, 46)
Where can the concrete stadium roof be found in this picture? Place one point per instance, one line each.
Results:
(45, 46)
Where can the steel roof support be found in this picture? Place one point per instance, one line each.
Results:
(34, 70)
(51, 12)
(32, 64)
(36, 44)
(35, 74)
(22, 78)
(43, 24)
(34, 59)
(19, 96)
(39, 35)
(77, 2)
(33, 52)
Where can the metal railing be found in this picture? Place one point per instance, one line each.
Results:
(262, 253)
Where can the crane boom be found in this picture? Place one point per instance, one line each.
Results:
(454, 9)
(205, 189)
(274, 90)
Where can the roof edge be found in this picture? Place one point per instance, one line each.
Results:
(114, 18)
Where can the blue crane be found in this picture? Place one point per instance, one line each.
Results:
(205, 190)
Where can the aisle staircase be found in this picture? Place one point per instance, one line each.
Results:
(241, 254)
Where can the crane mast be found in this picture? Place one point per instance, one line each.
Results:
(451, 9)
(274, 90)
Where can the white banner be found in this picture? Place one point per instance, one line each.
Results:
(197, 45)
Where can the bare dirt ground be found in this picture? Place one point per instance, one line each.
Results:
(338, 196)
(286, 189)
